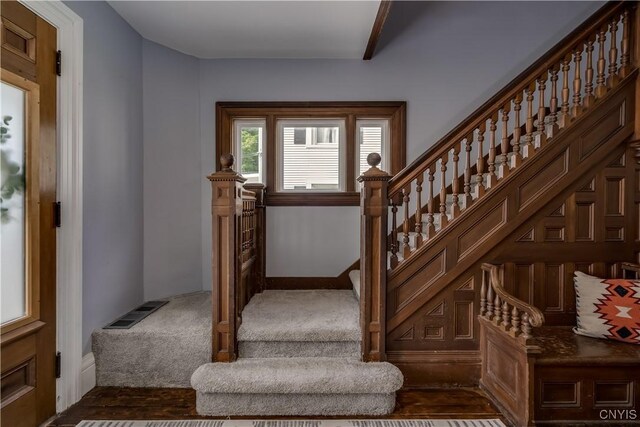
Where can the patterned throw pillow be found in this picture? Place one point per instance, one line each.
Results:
(608, 308)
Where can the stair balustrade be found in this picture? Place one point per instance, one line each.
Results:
(428, 197)
(493, 140)
(237, 211)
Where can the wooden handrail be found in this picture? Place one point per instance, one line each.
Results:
(515, 316)
(510, 129)
(509, 92)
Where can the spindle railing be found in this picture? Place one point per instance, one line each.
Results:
(497, 139)
(509, 314)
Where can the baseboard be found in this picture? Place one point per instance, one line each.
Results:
(87, 373)
(288, 283)
(447, 368)
(341, 281)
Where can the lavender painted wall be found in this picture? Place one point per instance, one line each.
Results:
(112, 161)
(172, 262)
(444, 58)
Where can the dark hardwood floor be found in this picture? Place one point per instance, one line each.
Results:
(115, 403)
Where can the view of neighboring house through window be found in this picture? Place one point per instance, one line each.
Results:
(311, 154)
(373, 137)
(249, 149)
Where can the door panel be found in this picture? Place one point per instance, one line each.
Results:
(27, 229)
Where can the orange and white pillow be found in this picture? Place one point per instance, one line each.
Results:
(607, 308)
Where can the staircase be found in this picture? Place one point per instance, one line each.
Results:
(299, 354)
(541, 176)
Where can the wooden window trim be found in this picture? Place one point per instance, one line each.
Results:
(395, 111)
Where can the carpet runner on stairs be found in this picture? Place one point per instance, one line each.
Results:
(299, 355)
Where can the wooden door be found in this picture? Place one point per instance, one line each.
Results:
(27, 225)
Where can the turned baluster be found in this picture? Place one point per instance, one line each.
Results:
(506, 322)
(577, 82)
(601, 88)
(541, 130)
(480, 189)
(394, 234)
(553, 102)
(431, 228)
(588, 74)
(612, 79)
(504, 142)
(625, 55)
(564, 106)
(489, 299)
(516, 158)
(444, 219)
(527, 149)
(406, 249)
(491, 182)
(497, 318)
(483, 294)
(418, 217)
(455, 185)
(515, 320)
(467, 171)
(526, 326)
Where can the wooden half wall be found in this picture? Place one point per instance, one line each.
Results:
(573, 206)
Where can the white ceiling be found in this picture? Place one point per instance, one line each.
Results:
(255, 29)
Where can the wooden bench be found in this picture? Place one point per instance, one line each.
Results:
(547, 374)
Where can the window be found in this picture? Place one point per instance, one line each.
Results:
(316, 165)
(248, 149)
(310, 153)
(373, 137)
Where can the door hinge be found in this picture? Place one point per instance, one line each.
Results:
(57, 214)
(59, 63)
(58, 364)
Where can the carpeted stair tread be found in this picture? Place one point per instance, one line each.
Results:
(318, 315)
(313, 375)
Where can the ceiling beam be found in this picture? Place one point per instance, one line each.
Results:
(376, 30)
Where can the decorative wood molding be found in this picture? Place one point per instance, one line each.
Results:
(226, 211)
(350, 111)
(373, 259)
(70, 147)
(376, 30)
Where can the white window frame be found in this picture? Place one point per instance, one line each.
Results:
(386, 141)
(340, 123)
(238, 124)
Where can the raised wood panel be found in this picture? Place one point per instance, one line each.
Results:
(540, 183)
(560, 394)
(549, 219)
(449, 321)
(607, 393)
(581, 392)
(429, 273)
(483, 229)
(613, 121)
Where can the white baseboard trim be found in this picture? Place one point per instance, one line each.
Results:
(87, 373)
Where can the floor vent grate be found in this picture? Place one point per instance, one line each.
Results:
(135, 315)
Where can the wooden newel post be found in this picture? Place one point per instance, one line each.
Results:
(226, 212)
(373, 259)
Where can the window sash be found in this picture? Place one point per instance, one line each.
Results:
(385, 151)
(261, 124)
(312, 144)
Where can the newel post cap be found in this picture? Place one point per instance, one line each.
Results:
(226, 172)
(374, 173)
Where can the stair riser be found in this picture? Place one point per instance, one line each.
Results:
(232, 404)
(270, 349)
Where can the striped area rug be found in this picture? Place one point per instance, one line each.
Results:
(296, 423)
